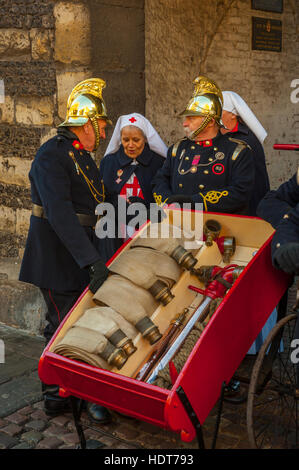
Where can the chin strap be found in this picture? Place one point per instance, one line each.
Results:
(95, 126)
(201, 128)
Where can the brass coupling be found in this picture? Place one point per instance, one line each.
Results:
(161, 292)
(184, 258)
(229, 248)
(149, 330)
(129, 348)
(211, 230)
(120, 340)
(114, 356)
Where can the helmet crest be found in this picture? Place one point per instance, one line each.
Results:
(206, 101)
(86, 102)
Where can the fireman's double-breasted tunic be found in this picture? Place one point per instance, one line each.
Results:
(219, 173)
(281, 209)
(58, 247)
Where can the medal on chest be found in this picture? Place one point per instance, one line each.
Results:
(119, 173)
(194, 164)
(197, 163)
(218, 169)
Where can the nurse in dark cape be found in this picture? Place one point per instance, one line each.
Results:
(133, 156)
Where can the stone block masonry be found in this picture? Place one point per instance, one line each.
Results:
(46, 48)
(40, 62)
(27, 112)
(149, 52)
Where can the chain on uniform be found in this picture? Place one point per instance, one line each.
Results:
(95, 193)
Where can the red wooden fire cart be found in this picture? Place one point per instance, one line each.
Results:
(216, 356)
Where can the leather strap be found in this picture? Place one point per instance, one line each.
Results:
(84, 219)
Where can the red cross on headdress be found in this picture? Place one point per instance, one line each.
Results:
(132, 120)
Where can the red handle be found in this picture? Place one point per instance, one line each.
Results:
(286, 146)
(214, 287)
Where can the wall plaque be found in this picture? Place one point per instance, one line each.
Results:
(267, 5)
(266, 34)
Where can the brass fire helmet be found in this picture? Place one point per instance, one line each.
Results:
(86, 102)
(206, 101)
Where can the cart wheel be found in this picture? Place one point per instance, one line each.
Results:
(273, 405)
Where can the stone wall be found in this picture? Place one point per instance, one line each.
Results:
(26, 110)
(118, 56)
(40, 62)
(148, 52)
(186, 39)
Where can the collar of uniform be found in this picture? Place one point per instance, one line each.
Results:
(65, 132)
(239, 128)
(205, 143)
(208, 142)
(235, 129)
(77, 144)
(144, 158)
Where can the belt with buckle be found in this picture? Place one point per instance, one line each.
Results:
(84, 219)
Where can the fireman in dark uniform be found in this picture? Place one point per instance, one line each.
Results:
(281, 209)
(61, 255)
(241, 123)
(206, 167)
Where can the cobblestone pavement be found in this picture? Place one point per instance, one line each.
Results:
(24, 425)
(31, 428)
